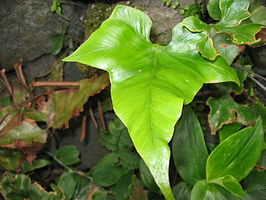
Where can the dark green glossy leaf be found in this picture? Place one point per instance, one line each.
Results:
(10, 158)
(189, 149)
(100, 195)
(210, 191)
(255, 186)
(68, 155)
(225, 111)
(150, 83)
(231, 184)
(122, 187)
(106, 173)
(182, 191)
(82, 187)
(237, 155)
(36, 164)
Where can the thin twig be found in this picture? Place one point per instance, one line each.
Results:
(100, 110)
(55, 84)
(93, 119)
(66, 167)
(249, 71)
(258, 83)
(83, 128)
(7, 83)
(260, 167)
(20, 74)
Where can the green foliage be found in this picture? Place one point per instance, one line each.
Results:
(189, 149)
(171, 3)
(36, 164)
(10, 158)
(68, 155)
(146, 80)
(195, 10)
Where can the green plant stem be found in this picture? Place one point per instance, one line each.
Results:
(249, 71)
(258, 83)
(68, 168)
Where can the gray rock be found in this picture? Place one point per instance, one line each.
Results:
(27, 27)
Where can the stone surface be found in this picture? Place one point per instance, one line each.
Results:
(27, 27)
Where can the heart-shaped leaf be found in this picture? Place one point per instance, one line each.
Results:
(189, 150)
(237, 155)
(150, 83)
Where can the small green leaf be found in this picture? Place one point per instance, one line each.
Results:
(58, 42)
(10, 158)
(100, 195)
(36, 164)
(237, 155)
(106, 173)
(67, 183)
(182, 191)
(210, 191)
(122, 187)
(206, 48)
(194, 24)
(82, 187)
(231, 184)
(68, 155)
(189, 149)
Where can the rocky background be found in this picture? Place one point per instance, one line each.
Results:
(27, 29)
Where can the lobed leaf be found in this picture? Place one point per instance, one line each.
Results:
(150, 83)
(68, 155)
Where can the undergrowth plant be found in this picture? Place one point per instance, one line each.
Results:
(150, 83)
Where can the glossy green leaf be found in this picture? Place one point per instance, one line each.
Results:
(10, 158)
(255, 186)
(233, 12)
(206, 48)
(106, 173)
(189, 149)
(150, 83)
(210, 191)
(237, 155)
(230, 184)
(58, 42)
(182, 191)
(36, 164)
(225, 111)
(81, 187)
(68, 155)
(122, 187)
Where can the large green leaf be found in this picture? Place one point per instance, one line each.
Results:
(237, 155)
(189, 149)
(150, 83)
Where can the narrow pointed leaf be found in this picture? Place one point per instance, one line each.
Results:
(237, 155)
(189, 149)
(150, 83)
